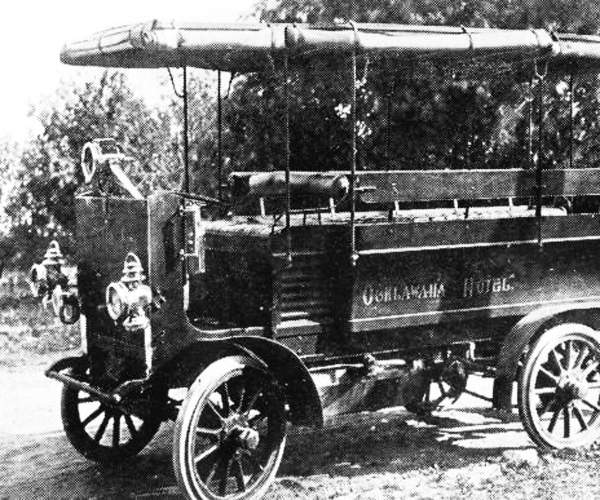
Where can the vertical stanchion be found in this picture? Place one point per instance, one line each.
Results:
(219, 138)
(186, 189)
(571, 126)
(539, 178)
(288, 198)
(388, 118)
(387, 129)
(354, 255)
(530, 126)
(186, 159)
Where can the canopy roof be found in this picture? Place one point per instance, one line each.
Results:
(253, 47)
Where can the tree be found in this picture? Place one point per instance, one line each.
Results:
(202, 128)
(582, 16)
(451, 116)
(49, 174)
(9, 158)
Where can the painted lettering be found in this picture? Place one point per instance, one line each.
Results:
(414, 291)
(484, 286)
(468, 287)
(507, 286)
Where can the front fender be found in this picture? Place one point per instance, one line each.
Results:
(300, 390)
(288, 369)
(524, 332)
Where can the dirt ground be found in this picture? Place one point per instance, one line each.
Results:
(461, 452)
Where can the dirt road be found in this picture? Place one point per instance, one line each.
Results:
(386, 454)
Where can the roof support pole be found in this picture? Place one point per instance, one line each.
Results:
(219, 138)
(288, 197)
(354, 253)
(530, 126)
(540, 151)
(388, 119)
(186, 153)
(571, 118)
(185, 189)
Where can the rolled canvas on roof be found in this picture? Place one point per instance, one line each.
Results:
(252, 47)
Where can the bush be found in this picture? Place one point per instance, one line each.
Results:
(26, 328)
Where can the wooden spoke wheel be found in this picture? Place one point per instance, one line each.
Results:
(103, 433)
(559, 388)
(230, 433)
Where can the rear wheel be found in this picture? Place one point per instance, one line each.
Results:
(559, 388)
(104, 433)
(230, 433)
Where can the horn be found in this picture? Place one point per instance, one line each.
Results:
(90, 157)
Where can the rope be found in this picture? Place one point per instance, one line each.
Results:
(180, 96)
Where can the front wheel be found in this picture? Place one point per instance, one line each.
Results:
(104, 433)
(230, 432)
(559, 388)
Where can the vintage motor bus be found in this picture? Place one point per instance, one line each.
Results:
(374, 285)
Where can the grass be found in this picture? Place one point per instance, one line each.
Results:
(27, 329)
(456, 473)
(354, 460)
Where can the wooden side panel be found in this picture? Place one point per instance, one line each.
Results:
(235, 289)
(165, 275)
(453, 271)
(411, 186)
(390, 237)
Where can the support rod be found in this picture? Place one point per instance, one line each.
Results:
(540, 155)
(186, 185)
(354, 254)
(530, 126)
(571, 125)
(387, 128)
(288, 197)
(186, 158)
(219, 138)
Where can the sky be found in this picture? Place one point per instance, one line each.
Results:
(33, 32)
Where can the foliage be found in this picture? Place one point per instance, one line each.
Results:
(561, 15)
(9, 158)
(202, 96)
(27, 327)
(49, 174)
(440, 116)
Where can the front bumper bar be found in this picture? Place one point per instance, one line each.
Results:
(111, 398)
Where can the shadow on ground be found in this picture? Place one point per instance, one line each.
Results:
(393, 441)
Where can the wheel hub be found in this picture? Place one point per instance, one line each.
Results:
(571, 387)
(234, 422)
(249, 438)
(237, 430)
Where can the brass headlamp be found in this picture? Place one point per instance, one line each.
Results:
(128, 299)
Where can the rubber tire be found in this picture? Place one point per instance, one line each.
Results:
(86, 445)
(524, 382)
(210, 379)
